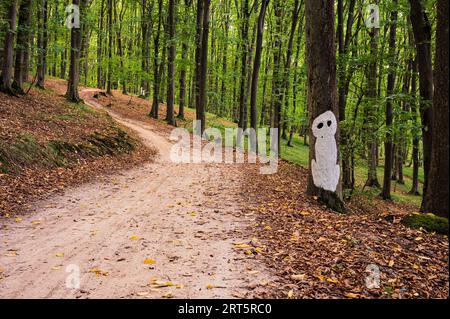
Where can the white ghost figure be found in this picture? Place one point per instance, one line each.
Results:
(324, 167)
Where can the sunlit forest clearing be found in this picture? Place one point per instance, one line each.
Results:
(353, 100)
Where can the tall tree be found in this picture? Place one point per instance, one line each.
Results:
(372, 179)
(256, 67)
(5, 83)
(422, 35)
(74, 69)
(42, 43)
(437, 200)
(322, 91)
(388, 145)
(171, 65)
(156, 64)
(184, 53)
(23, 45)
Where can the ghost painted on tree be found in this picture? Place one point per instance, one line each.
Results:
(324, 167)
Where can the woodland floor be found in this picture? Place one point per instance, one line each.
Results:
(161, 229)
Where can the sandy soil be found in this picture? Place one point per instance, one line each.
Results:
(183, 219)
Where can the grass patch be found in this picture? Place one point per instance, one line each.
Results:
(27, 151)
(429, 222)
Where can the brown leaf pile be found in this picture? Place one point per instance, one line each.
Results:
(322, 254)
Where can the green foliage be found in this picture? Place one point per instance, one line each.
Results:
(429, 222)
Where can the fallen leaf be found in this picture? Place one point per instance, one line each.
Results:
(149, 261)
(298, 277)
(209, 286)
(351, 295)
(290, 294)
(59, 254)
(134, 237)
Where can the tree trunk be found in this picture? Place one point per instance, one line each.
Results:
(99, 46)
(74, 70)
(42, 43)
(110, 48)
(388, 145)
(415, 142)
(183, 72)
(23, 44)
(255, 75)
(8, 57)
(245, 17)
(372, 180)
(170, 65)
(437, 200)
(322, 91)
(422, 36)
(200, 107)
(156, 80)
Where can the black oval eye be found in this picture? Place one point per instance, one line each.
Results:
(320, 125)
(329, 123)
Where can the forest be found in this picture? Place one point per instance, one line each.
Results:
(379, 67)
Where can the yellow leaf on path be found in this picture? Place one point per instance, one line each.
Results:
(334, 281)
(56, 267)
(193, 214)
(248, 252)
(305, 213)
(209, 286)
(179, 286)
(418, 238)
(322, 239)
(11, 254)
(18, 219)
(7, 215)
(391, 263)
(59, 254)
(351, 295)
(149, 261)
(242, 246)
(290, 294)
(268, 227)
(98, 272)
(134, 237)
(35, 222)
(415, 266)
(168, 295)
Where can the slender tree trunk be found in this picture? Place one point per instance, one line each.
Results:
(42, 44)
(388, 145)
(170, 65)
(422, 35)
(156, 73)
(183, 72)
(245, 17)
(372, 180)
(255, 76)
(6, 85)
(23, 44)
(99, 46)
(322, 91)
(415, 142)
(200, 108)
(110, 48)
(74, 70)
(437, 201)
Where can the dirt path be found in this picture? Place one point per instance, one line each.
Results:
(182, 218)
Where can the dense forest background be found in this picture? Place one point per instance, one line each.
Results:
(245, 60)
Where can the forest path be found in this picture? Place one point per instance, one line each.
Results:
(182, 219)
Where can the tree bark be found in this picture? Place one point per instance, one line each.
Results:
(156, 73)
(422, 35)
(74, 70)
(42, 43)
(23, 45)
(6, 85)
(322, 91)
(388, 145)
(256, 67)
(437, 200)
(170, 65)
